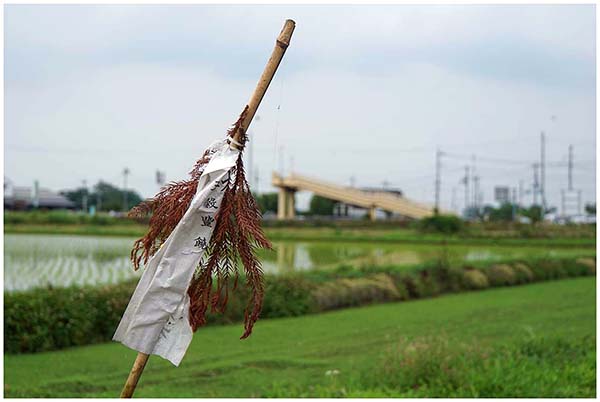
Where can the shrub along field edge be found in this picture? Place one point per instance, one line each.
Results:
(55, 318)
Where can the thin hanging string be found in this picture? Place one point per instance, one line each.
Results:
(276, 134)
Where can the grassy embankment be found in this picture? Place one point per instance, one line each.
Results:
(536, 340)
(380, 235)
(128, 230)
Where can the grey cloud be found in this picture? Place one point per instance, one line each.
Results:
(383, 85)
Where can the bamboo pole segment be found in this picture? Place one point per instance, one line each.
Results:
(134, 375)
(283, 41)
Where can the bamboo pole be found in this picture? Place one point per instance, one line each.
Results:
(283, 41)
(134, 375)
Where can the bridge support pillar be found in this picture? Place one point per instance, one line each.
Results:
(286, 206)
(372, 213)
(290, 206)
(281, 204)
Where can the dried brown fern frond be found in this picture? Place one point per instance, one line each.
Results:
(236, 236)
(165, 210)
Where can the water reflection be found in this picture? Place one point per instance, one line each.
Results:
(40, 260)
(295, 256)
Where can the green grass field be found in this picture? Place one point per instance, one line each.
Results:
(534, 340)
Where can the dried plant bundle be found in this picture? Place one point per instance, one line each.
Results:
(236, 237)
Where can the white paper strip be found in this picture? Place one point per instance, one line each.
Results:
(156, 319)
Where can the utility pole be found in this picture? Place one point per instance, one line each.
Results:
(160, 178)
(476, 192)
(543, 171)
(453, 204)
(474, 181)
(570, 167)
(125, 174)
(36, 194)
(256, 181)
(438, 179)
(570, 196)
(466, 182)
(98, 198)
(535, 183)
(521, 191)
(514, 204)
(84, 197)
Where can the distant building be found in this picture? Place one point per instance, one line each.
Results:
(24, 198)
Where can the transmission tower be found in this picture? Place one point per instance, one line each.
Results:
(465, 181)
(543, 171)
(570, 197)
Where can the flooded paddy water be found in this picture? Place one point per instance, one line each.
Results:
(56, 260)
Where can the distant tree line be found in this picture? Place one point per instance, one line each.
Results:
(104, 197)
(506, 212)
(267, 202)
(590, 209)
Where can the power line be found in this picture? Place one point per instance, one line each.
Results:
(486, 159)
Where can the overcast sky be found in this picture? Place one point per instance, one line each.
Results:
(367, 92)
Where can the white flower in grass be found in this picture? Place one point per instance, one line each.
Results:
(332, 372)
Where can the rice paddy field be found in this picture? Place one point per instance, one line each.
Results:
(34, 260)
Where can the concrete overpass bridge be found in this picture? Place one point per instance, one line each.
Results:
(370, 200)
